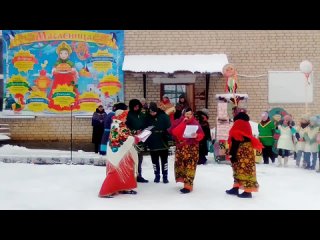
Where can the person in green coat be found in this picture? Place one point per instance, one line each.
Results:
(158, 141)
(266, 130)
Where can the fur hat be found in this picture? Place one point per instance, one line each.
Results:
(133, 103)
(153, 107)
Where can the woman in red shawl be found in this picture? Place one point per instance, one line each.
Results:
(187, 150)
(122, 159)
(242, 145)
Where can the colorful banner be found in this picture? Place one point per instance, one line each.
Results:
(56, 71)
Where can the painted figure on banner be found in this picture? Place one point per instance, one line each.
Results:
(64, 90)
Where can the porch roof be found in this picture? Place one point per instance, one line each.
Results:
(210, 63)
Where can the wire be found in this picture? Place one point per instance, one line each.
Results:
(248, 76)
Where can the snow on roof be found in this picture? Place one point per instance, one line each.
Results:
(210, 63)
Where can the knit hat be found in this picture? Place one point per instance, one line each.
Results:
(264, 116)
(118, 106)
(205, 111)
(142, 100)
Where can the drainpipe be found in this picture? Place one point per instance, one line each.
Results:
(207, 89)
(145, 85)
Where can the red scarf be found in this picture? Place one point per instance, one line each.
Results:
(166, 101)
(242, 129)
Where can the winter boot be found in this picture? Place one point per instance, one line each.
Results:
(285, 162)
(157, 179)
(280, 162)
(304, 164)
(140, 179)
(233, 191)
(308, 165)
(245, 195)
(128, 192)
(184, 190)
(165, 179)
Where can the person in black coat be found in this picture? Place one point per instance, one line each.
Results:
(158, 141)
(181, 106)
(202, 118)
(97, 123)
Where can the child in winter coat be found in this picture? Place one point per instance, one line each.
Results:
(285, 142)
(300, 143)
(311, 146)
(318, 141)
(266, 130)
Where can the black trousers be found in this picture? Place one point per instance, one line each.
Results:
(140, 157)
(267, 153)
(163, 155)
(284, 153)
(96, 147)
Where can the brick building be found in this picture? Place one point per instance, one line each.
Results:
(253, 53)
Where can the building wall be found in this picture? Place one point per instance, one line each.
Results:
(252, 52)
(50, 128)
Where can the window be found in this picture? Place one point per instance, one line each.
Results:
(173, 91)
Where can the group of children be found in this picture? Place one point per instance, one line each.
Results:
(302, 140)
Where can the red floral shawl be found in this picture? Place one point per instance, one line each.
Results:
(242, 129)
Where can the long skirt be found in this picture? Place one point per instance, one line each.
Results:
(186, 164)
(244, 170)
(63, 93)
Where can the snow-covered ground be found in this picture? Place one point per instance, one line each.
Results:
(61, 186)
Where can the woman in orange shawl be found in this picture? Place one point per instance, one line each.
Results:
(242, 144)
(167, 107)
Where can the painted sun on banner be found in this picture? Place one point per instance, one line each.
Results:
(55, 71)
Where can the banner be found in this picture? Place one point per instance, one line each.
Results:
(56, 71)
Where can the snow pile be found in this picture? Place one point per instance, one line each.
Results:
(16, 154)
